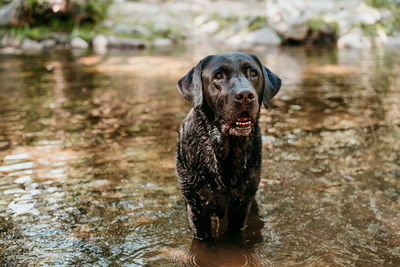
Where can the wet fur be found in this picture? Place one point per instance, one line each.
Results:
(218, 173)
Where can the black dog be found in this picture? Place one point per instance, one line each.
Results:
(218, 160)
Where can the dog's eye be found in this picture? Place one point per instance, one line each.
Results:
(253, 74)
(218, 76)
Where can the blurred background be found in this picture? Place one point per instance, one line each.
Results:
(89, 113)
(102, 24)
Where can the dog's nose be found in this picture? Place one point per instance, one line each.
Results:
(244, 96)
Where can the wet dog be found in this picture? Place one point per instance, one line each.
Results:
(218, 159)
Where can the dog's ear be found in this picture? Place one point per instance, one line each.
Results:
(272, 83)
(191, 85)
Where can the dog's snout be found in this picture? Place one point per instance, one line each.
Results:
(244, 96)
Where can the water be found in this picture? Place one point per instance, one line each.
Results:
(87, 148)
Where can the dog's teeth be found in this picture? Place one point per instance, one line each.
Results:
(243, 123)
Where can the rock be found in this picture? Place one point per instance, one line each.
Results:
(291, 18)
(27, 179)
(240, 25)
(237, 43)
(9, 13)
(100, 44)
(5, 144)
(162, 42)
(201, 19)
(125, 43)
(354, 39)
(123, 28)
(22, 207)
(31, 45)
(223, 35)
(297, 30)
(7, 40)
(161, 24)
(160, 28)
(210, 27)
(131, 29)
(392, 41)
(99, 183)
(79, 43)
(140, 30)
(4, 41)
(263, 36)
(366, 14)
(48, 43)
(108, 23)
(9, 51)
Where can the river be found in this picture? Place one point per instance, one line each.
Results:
(87, 158)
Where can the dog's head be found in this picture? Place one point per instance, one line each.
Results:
(231, 86)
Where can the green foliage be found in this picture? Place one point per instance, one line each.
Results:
(319, 24)
(38, 12)
(391, 23)
(87, 32)
(257, 22)
(384, 3)
(96, 9)
(38, 20)
(316, 24)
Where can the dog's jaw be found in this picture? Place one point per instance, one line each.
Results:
(241, 131)
(244, 130)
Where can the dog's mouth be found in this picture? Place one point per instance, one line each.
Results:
(242, 126)
(243, 122)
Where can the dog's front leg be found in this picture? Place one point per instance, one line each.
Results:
(237, 215)
(200, 221)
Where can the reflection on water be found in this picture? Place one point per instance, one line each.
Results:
(87, 162)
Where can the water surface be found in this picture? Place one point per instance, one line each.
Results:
(87, 148)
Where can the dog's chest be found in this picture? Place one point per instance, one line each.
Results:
(234, 163)
(218, 202)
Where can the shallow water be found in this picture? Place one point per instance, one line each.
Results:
(87, 149)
